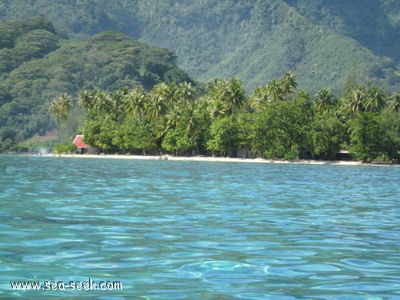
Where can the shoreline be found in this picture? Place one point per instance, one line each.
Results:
(220, 159)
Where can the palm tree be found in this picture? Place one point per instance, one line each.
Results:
(102, 102)
(216, 89)
(235, 97)
(217, 109)
(60, 107)
(288, 83)
(190, 121)
(227, 95)
(184, 93)
(215, 98)
(274, 91)
(155, 107)
(135, 101)
(356, 100)
(173, 118)
(375, 99)
(165, 92)
(85, 100)
(323, 99)
(116, 101)
(259, 98)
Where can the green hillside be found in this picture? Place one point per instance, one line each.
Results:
(320, 40)
(38, 64)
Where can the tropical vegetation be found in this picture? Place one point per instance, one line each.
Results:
(254, 40)
(38, 64)
(128, 97)
(276, 120)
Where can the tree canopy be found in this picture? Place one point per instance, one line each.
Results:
(276, 120)
(256, 40)
(38, 64)
(127, 96)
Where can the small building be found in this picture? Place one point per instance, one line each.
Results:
(343, 155)
(81, 147)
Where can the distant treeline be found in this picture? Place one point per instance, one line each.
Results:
(275, 120)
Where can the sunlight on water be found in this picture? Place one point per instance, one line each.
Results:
(199, 230)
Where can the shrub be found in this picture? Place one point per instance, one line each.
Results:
(64, 148)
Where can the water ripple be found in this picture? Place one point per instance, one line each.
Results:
(171, 230)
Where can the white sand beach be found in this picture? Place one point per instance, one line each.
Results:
(220, 159)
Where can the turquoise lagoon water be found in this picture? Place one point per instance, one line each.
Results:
(199, 230)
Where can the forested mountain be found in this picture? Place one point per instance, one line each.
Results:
(321, 41)
(38, 64)
(339, 52)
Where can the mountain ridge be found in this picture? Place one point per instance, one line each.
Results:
(254, 41)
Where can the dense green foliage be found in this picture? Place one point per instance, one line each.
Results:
(38, 64)
(322, 41)
(319, 40)
(275, 121)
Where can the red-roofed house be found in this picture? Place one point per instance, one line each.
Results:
(80, 145)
